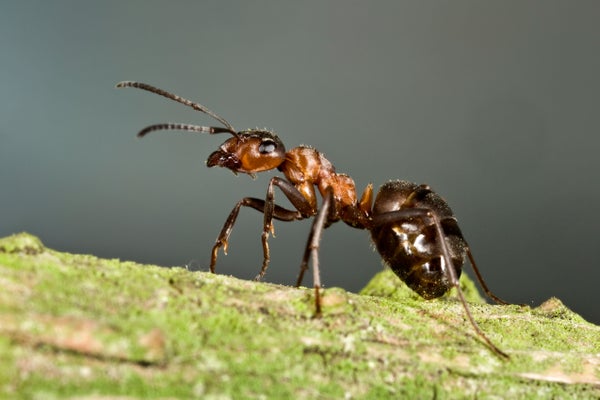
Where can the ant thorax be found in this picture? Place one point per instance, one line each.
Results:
(305, 168)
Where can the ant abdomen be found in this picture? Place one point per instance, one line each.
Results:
(409, 244)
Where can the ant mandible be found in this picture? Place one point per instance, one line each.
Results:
(413, 228)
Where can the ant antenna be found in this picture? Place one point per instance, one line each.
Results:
(179, 99)
(184, 127)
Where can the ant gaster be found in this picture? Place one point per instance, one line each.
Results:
(413, 228)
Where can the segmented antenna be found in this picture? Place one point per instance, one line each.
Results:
(171, 126)
(179, 99)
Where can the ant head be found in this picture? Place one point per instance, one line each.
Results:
(249, 152)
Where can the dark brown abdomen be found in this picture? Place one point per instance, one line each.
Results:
(410, 246)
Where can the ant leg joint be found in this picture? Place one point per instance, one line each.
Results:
(266, 256)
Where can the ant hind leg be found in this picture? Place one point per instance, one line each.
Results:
(455, 282)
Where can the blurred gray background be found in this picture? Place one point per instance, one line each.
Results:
(494, 104)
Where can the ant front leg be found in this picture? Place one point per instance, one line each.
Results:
(270, 210)
(223, 238)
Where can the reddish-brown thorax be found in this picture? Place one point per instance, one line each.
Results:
(306, 168)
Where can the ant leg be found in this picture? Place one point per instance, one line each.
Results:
(487, 291)
(327, 200)
(450, 227)
(223, 238)
(424, 213)
(454, 279)
(312, 248)
(303, 207)
(279, 213)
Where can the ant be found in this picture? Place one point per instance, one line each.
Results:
(413, 228)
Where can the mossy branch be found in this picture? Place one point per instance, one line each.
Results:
(80, 325)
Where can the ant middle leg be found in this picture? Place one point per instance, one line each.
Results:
(324, 215)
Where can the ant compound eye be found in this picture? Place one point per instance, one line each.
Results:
(267, 146)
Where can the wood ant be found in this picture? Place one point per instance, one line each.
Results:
(413, 228)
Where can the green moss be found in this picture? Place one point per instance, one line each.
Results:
(76, 325)
(23, 243)
(387, 284)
